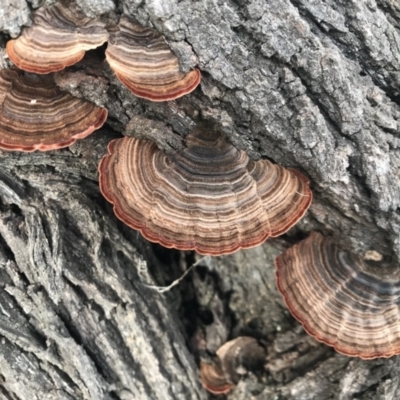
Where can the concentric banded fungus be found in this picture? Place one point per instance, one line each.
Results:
(339, 299)
(210, 197)
(234, 359)
(58, 38)
(36, 115)
(213, 378)
(143, 61)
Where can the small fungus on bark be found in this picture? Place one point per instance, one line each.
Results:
(213, 378)
(143, 61)
(340, 299)
(209, 197)
(234, 359)
(59, 37)
(36, 115)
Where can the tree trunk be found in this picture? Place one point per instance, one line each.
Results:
(313, 85)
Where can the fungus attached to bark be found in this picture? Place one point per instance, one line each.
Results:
(209, 197)
(339, 299)
(234, 359)
(58, 38)
(36, 115)
(143, 61)
(213, 378)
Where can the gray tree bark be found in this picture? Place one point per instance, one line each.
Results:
(310, 84)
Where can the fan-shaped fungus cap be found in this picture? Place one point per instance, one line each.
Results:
(209, 197)
(213, 378)
(339, 299)
(36, 115)
(143, 61)
(241, 354)
(58, 38)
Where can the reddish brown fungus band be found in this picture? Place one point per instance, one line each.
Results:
(59, 37)
(54, 119)
(244, 353)
(140, 57)
(144, 63)
(210, 197)
(339, 300)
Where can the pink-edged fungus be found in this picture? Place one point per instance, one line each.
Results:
(339, 299)
(36, 115)
(59, 37)
(143, 62)
(234, 359)
(209, 197)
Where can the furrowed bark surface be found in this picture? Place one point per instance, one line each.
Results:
(313, 85)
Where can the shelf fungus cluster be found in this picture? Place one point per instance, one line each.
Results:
(36, 115)
(140, 57)
(143, 61)
(340, 299)
(233, 360)
(209, 197)
(59, 37)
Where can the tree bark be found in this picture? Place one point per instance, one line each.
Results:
(313, 85)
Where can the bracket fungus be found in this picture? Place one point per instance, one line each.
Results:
(36, 115)
(339, 299)
(209, 197)
(143, 61)
(213, 378)
(59, 37)
(233, 360)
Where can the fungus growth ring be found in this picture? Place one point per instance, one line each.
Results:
(210, 197)
(339, 299)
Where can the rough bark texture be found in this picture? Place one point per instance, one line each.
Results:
(313, 85)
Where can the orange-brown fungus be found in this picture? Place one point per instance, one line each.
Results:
(58, 38)
(213, 378)
(339, 299)
(143, 61)
(36, 115)
(210, 197)
(241, 354)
